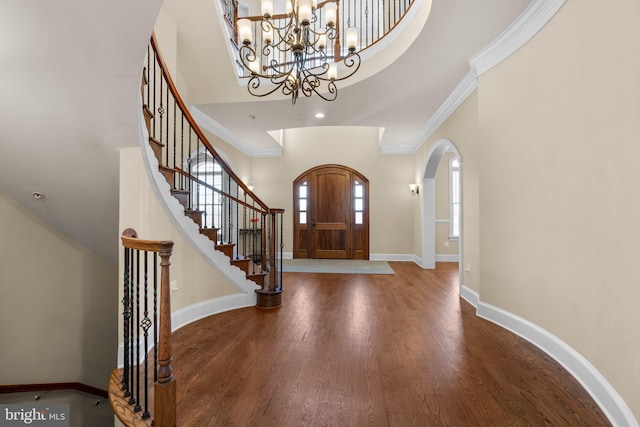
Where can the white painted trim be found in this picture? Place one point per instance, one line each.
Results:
(206, 122)
(200, 310)
(442, 221)
(467, 85)
(528, 24)
(447, 258)
(396, 148)
(469, 295)
(582, 370)
(197, 311)
(378, 257)
(393, 257)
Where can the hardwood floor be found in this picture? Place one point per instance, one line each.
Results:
(370, 350)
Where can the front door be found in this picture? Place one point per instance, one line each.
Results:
(331, 215)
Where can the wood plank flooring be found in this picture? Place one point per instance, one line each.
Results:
(370, 350)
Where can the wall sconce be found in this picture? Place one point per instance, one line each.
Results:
(250, 186)
(415, 189)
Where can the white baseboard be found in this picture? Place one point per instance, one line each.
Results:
(194, 312)
(469, 295)
(593, 382)
(200, 310)
(393, 257)
(447, 258)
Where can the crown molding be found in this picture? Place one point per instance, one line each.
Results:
(206, 122)
(467, 85)
(528, 24)
(396, 149)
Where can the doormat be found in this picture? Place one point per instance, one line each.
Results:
(338, 266)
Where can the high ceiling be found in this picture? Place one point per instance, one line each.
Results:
(71, 72)
(401, 98)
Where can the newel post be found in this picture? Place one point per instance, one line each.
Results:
(165, 387)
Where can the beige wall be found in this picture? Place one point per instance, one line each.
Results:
(57, 304)
(559, 125)
(392, 208)
(140, 209)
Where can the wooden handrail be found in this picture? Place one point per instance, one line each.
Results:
(172, 87)
(130, 240)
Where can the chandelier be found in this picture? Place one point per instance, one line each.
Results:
(291, 53)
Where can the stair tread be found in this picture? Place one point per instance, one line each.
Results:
(178, 191)
(147, 111)
(260, 273)
(155, 141)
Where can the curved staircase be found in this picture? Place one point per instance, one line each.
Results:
(239, 224)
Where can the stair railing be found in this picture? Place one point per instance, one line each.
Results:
(224, 207)
(146, 378)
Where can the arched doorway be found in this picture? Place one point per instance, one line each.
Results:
(429, 202)
(331, 214)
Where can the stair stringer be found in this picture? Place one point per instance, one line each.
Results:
(191, 232)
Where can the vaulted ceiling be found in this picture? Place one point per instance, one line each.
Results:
(71, 74)
(400, 98)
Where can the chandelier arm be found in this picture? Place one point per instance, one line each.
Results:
(247, 56)
(350, 61)
(254, 84)
(332, 89)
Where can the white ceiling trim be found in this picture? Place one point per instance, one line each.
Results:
(528, 24)
(207, 123)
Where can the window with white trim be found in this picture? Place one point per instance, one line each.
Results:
(303, 195)
(358, 205)
(206, 199)
(454, 198)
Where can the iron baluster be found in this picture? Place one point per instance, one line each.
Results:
(125, 324)
(137, 407)
(146, 323)
(175, 142)
(155, 316)
(132, 378)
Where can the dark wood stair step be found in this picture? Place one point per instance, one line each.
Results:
(259, 277)
(148, 116)
(242, 264)
(168, 174)
(182, 196)
(211, 233)
(156, 146)
(226, 248)
(196, 216)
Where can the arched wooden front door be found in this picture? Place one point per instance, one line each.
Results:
(331, 214)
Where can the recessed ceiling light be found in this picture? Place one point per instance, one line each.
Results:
(38, 195)
(319, 115)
